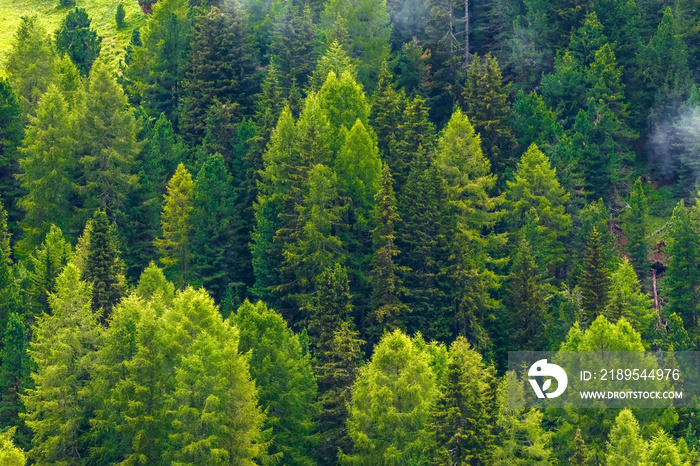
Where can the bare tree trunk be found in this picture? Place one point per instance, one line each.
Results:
(466, 33)
(656, 300)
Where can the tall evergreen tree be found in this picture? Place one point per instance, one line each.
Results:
(9, 453)
(335, 59)
(15, 371)
(45, 265)
(626, 446)
(526, 298)
(103, 267)
(683, 274)
(293, 38)
(579, 458)
(31, 64)
(175, 245)
(414, 139)
(461, 416)
(75, 38)
(635, 228)
(625, 299)
(388, 104)
(332, 306)
(595, 278)
(48, 168)
(220, 66)
(11, 133)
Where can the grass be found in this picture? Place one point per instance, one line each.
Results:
(101, 12)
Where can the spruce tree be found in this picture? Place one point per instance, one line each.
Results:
(75, 38)
(11, 133)
(579, 458)
(62, 348)
(31, 64)
(526, 298)
(161, 153)
(626, 445)
(220, 67)
(487, 108)
(595, 278)
(663, 450)
(332, 305)
(414, 139)
(461, 415)
(284, 379)
(534, 122)
(45, 265)
(216, 255)
(293, 37)
(335, 59)
(388, 104)
(587, 39)
(635, 229)
(106, 134)
(268, 107)
(10, 455)
(391, 403)
(683, 274)
(47, 163)
(175, 245)
(15, 371)
(625, 299)
(103, 267)
(564, 88)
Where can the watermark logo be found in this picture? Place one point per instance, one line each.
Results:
(542, 368)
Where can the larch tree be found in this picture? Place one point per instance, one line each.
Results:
(626, 446)
(175, 245)
(75, 38)
(625, 299)
(10, 455)
(335, 59)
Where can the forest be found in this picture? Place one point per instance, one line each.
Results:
(308, 232)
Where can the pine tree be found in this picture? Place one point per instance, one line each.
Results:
(47, 164)
(216, 255)
(595, 278)
(461, 416)
(45, 265)
(388, 104)
(292, 43)
(625, 299)
(683, 275)
(103, 267)
(626, 446)
(176, 220)
(635, 228)
(336, 365)
(534, 122)
(11, 133)
(15, 371)
(391, 403)
(284, 379)
(75, 38)
(368, 29)
(485, 104)
(63, 348)
(414, 139)
(31, 64)
(220, 67)
(526, 297)
(106, 134)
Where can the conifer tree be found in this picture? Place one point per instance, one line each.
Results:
(120, 15)
(103, 267)
(625, 299)
(332, 306)
(587, 40)
(175, 245)
(635, 228)
(386, 277)
(564, 88)
(461, 416)
(268, 106)
(161, 154)
(626, 445)
(220, 67)
(15, 371)
(579, 457)
(336, 365)
(293, 37)
(526, 298)
(47, 165)
(45, 265)
(487, 108)
(414, 139)
(663, 450)
(10, 455)
(398, 380)
(31, 64)
(595, 278)
(343, 103)
(11, 133)
(284, 379)
(63, 348)
(388, 104)
(683, 275)
(75, 38)
(335, 59)
(106, 134)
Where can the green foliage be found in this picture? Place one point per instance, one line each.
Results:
(15, 371)
(388, 104)
(284, 379)
(391, 403)
(9, 454)
(579, 458)
(414, 139)
(293, 37)
(120, 15)
(176, 220)
(343, 102)
(595, 281)
(625, 299)
(626, 445)
(635, 228)
(76, 39)
(335, 59)
(663, 450)
(11, 133)
(682, 276)
(45, 265)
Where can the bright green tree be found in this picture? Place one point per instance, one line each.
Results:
(594, 280)
(284, 379)
(663, 450)
(587, 39)
(626, 446)
(176, 220)
(461, 417)
(63, 348)
(10, 455)
(45, 265)
(625, 299)
(391, 403)
(335, 59)
(683, 274)
(47, 163)
(343, 102)
(75, 38)
(103, 267)
(31, 64)
(635, 228)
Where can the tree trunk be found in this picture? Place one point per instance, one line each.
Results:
(466, 33)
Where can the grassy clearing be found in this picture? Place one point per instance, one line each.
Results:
(101, 12)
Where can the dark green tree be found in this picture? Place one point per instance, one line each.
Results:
(635, 229)
(11, 133)
(414, 139)
(220, 66)
(103, 267)
(293, 40)
(15, 376)
(526, 299)
(579, 458)
(388, 104)
(75, 38)
(683, 274)
(332, 305)
(120, 15)
(595, 278)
